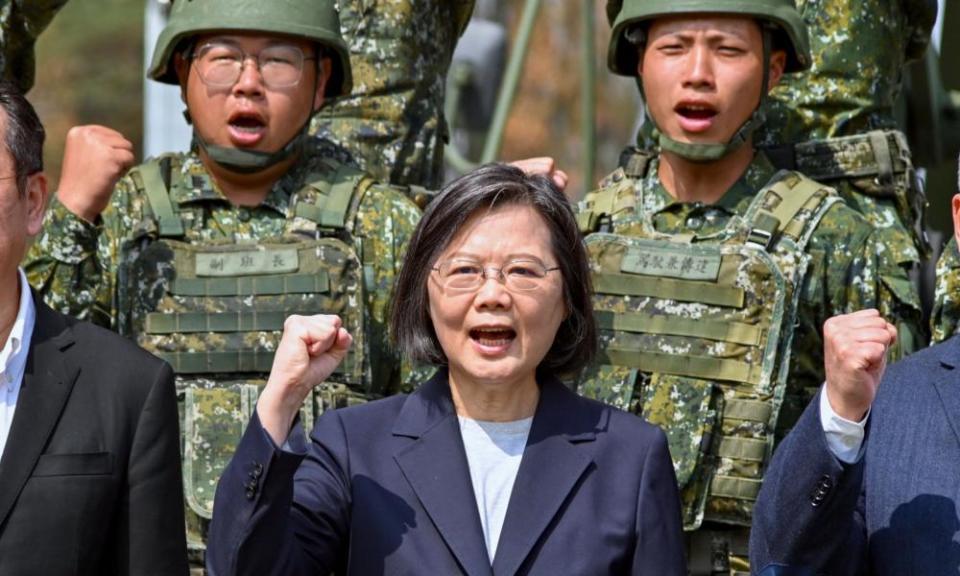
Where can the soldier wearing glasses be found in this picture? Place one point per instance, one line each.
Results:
(200, 257)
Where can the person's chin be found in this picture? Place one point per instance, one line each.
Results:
(705, 138)
(492, 372)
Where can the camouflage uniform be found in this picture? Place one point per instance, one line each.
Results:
(392, 123)
(840, 113)
(21, 22)
(710, 315)
(80, 268)
(846, 272)
(945, 320)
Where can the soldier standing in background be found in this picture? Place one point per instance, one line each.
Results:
(200, 257)
(835, 122)
(20, 24)
(392, 123)
(714, 273)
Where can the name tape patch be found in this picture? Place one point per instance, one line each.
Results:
(667, 262)
(250, 262)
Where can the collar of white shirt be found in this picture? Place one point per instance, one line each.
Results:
(13, 356)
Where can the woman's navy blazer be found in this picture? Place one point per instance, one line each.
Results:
(384, 488)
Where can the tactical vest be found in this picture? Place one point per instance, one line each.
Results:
(695, 332)
(215, 311)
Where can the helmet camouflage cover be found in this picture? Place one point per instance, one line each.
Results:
(623, 15)
(315, 20)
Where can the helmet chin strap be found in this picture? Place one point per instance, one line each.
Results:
(251, 161)
(696, 152)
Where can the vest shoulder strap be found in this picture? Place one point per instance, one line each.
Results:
(333, 197)
(789, 205)
(635, 161)
(598, 206)
(616, 194)
(154, 178)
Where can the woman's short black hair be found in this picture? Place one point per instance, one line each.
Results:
(493, 186)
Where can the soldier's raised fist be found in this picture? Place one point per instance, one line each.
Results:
(855, 354)
(545, 166)
(309, 351)
(94, 159)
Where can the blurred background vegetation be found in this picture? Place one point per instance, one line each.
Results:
(89, 70)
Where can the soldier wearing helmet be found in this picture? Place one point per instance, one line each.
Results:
(713, 272)
(199, 257)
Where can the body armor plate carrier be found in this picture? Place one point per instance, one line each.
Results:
(215, 312)
(696, 332)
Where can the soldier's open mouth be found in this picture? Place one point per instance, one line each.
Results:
(247, 128)
(695, 117)
(696, 111)
(247, 123)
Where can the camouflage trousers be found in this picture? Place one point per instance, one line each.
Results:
(213, 417)
(945, 319)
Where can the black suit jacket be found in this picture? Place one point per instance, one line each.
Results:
(384, 488)
(90, 476)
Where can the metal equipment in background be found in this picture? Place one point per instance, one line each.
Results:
(477, 79)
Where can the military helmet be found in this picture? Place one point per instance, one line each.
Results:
(791, 31)
(311, 19)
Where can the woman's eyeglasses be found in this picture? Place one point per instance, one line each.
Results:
(519, 275)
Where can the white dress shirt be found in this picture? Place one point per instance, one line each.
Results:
(844, 437)
(13, 358)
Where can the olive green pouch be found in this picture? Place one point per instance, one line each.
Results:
(687, 410)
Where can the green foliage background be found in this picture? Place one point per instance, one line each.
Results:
(89, 70)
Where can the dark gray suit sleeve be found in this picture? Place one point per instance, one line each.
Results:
(152, 510)
(660, 542)
(278, 512)
(810, 510)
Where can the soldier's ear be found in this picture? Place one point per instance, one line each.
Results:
(778, 63)
(956, 216)
(324, 70)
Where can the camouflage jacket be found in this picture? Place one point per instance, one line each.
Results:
(21, 22)
(945, 320)
(73, 262)
(392, 124)
(847, 272)
(859, 51)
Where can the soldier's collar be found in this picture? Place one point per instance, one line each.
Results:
(194, 185)
(735, 200)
